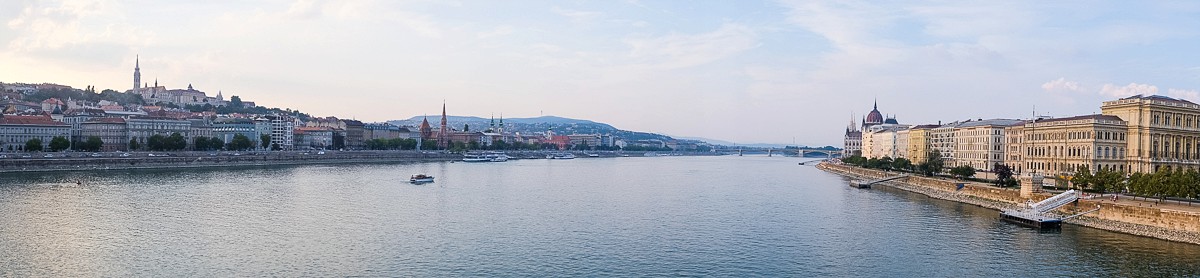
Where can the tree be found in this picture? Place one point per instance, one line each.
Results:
(1082, 178)
(933, 164)
(201, 143)
(175, 142)
(235, 102)
(240, 142)
(408, 144)
(59, 143)
(264, 140)
(1106, 180)
(134, 145)
(156, 142)
(93, 143)
(275, 147)
(965, 171)
(33, 145)
(428, 144)
(902, 164)
(215, 143)
(1004, 175)
(466, 127)
(473, 145)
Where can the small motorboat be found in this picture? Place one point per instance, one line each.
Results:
(420, 178)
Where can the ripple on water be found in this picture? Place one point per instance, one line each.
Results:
(666, 216)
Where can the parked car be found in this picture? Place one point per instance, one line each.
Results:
(48, 156)
(124, 154)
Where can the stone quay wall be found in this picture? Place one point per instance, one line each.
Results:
(1135, 218)
(224, 160)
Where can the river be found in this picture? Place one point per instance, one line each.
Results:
(654, 216)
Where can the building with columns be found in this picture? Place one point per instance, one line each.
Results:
(1160, 132)
(1063, 145)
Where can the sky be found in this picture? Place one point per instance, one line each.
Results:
(743, 71)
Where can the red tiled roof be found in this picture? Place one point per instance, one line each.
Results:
(106, 121)
(29, 120)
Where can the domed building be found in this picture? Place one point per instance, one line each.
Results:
(874, 117)
(854, 137)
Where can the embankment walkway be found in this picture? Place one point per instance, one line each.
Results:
(1169, 221)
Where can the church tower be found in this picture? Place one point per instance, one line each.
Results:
(137, 73)
(444, 131)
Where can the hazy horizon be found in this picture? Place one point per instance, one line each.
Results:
(743, 71)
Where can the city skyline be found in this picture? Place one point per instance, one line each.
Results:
(709, 69)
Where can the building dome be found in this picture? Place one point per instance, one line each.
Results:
(874, 117)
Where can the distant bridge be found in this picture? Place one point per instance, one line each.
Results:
(785, 151)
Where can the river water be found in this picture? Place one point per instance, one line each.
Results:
(656, 216)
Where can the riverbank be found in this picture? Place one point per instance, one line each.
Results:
(1174, 223)
(158, 160)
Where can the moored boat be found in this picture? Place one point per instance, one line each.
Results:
(475, 158)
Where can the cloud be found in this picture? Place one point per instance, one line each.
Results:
(498, 32)
(1062, 85)
(577, 16)
(685, 50)
(1192, 95)
(1116, 91)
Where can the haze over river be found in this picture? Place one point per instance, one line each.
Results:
(709, 216)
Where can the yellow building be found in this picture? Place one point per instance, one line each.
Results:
(1062, 145)
(1163, 131)
(918, 143)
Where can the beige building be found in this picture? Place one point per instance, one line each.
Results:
(884, 141)
(941, 139)
(980, 144)
(1061, 146)
(113, 132)
(1014, 147)
(1162, 132)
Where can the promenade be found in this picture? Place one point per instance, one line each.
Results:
(1175, 221)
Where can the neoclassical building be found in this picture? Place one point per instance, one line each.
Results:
(1063, 145)
(1160, 132)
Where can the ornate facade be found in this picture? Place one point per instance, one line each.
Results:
(1161, 132)
(1063, 145)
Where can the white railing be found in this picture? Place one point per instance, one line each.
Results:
(1055, 202)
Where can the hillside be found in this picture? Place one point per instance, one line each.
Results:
(558, 125)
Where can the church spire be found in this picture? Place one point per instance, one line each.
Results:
(444, 131)
(137, 72)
